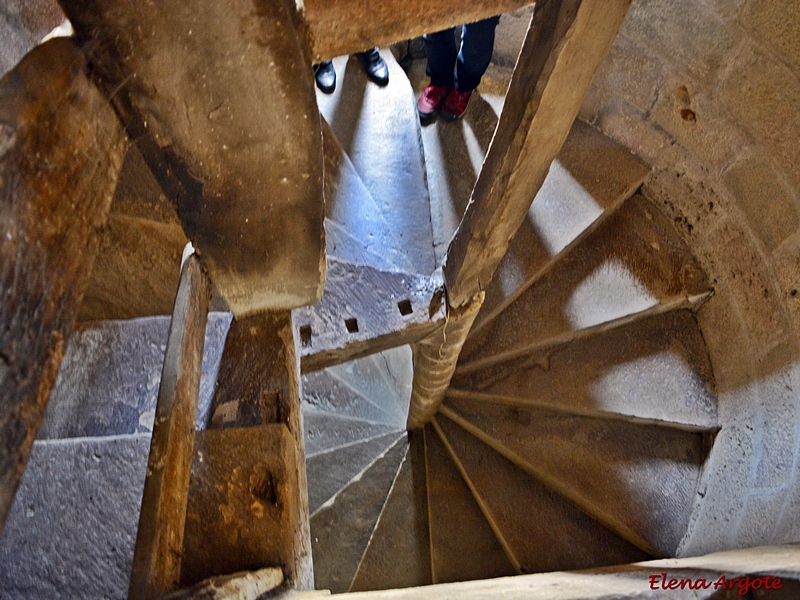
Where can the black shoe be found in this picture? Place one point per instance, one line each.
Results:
(325, 75)
(374, 66)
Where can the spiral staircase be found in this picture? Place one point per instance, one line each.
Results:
(574, 432)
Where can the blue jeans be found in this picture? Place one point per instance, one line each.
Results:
(463, 68)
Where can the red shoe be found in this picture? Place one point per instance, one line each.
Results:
(455, 104)
(432, 99)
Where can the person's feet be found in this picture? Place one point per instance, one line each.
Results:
(325, 76)
(455, 105)
(432, 100)
(374, 66)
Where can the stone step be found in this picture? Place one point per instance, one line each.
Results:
(632, 261)
(379, 131)
(363, 311)
(540, 530)
(340, 244)
(72, 528)
(328, 472)
(639, 480)
(351, 207)
(591, 176)
(325, 391)
(323, 431)
(341, 528)
(399, 552)
(463, 545)
(655, 368)
(109, 379)
(373, 377)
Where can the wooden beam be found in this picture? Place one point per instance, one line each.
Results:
(159, 541)
(565, 46)
(61, 149)
(259, 384)
(348, 26)
(221, 100)
(239, 586)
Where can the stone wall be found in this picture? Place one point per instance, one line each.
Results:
(23, 23)
(708, 92)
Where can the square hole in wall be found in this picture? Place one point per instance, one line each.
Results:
(404, 306)
(352, 325)
(305, 335)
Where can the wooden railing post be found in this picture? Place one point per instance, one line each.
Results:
(61, 149)
(159, 541)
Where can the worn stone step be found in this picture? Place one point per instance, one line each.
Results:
(639, 480)
(326, 391)
(349, 204)
(340, 244)
(540, 530)
(655, 368)
(363, 311)
(378, 129)
(323, 431)
(329, 472)
(372, 376)
(632, 261)
(463, 545)
(341, 529)
(399, 552)
(72, 528)
(591, 176)
(109, 378)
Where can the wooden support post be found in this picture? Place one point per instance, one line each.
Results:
(220, 99)
(159, 542)
(61, 149)
(565, 46)
(348, 26)
(258, 389)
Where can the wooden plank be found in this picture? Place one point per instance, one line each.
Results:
(565, 46)
(243, 503)
(239, 586)
(61, 149)
(348, 26)
(157, 558)
(258, 384)
(221, 100)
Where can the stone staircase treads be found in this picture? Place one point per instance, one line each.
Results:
(399, 372)
(379, 130)
(341, 531)
(637, 479)
(591, 175)
(463, 545)
(323, 431)
(632, 261)
(72, 528)
(541, 530)
(328, 472)
(349, 204)
(109, 379)
(399, 553)
(364, 310)
(655, 368)
(327, 392)
(371, 377)
(340, 244)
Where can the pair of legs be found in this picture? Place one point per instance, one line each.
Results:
(456, 72)
(374, 66)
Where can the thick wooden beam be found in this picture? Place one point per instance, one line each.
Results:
(221, 99)
(348, 26)
(259, 385)
(159, 541)
(61, 149)
(565, 46)
(239, 586)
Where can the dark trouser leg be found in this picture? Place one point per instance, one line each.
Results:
(477, 43)
(441, 50)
